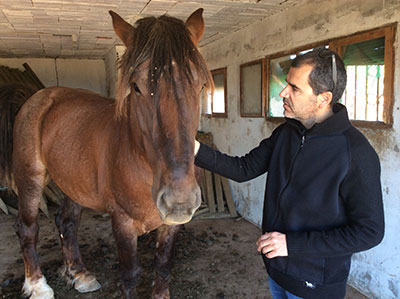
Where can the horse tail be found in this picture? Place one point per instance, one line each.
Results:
(12, 97)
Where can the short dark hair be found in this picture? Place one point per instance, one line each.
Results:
(322, 75)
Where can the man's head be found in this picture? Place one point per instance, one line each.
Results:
(316, 80)
(328, 73)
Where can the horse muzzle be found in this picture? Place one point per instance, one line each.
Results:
(177, 206)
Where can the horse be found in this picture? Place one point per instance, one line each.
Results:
(132, 157)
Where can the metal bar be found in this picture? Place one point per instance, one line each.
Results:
(355, 92)
(366, 92)
(377, 94)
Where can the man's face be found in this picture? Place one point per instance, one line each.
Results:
(299, 101)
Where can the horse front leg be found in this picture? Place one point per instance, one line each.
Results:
(126, 235)
(67, 220)
(166, 236)
(26, 227)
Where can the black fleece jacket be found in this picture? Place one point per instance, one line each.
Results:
(323, 191)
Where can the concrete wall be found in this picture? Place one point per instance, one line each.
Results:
(79, 73)
(111, 71)
(111, 65)
(375, 272)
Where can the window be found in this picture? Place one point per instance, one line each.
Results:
(216, 104)
(278, 70)
(252, 94)
(368, 57)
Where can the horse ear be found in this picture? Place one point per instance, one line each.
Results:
(195, 24)
(123, 29)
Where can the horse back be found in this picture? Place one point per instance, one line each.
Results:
(60, 132)
(72, 136)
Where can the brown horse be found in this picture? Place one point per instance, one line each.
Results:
(131, 157)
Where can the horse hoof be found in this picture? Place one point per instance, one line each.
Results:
(38, 289)
(86, 283)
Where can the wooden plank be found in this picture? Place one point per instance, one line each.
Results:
(203, 187)
(56, 190)
(201, 211)
(3, 206)
(218, 193)
(3, 76)
(390, 35)
(51, 195)
(9, 75)
(43, 206)
(12, 211)
(18, 75)
(214, 215)
(33, 76)
(28, 80)
(210, 191)
(228, 197)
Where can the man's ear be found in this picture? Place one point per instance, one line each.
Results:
(325, 99)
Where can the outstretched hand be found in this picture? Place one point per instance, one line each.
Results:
(196, 147)
(272, 245)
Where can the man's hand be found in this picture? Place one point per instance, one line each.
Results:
(272, 244)
(196, 147)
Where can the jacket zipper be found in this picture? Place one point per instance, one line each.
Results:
(303, 139)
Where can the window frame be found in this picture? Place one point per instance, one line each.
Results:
(241, 100)
(214, 72)
(389, 32)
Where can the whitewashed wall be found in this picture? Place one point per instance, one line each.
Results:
(78, 73)
(111, 66)
(376, 272)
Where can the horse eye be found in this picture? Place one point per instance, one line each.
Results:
(136, 88)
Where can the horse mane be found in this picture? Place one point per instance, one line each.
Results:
(12, 97)
(161, 41)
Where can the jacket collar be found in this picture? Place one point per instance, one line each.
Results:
(333, 125)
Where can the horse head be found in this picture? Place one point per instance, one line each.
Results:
(161, 77)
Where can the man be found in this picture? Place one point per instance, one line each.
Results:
(323, 199)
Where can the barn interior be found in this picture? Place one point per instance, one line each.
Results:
(248, 46)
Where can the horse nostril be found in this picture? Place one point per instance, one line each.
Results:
(162, 202)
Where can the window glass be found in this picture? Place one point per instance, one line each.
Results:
(278, 70)
(365, 65)
(252, 89)
(218, 100)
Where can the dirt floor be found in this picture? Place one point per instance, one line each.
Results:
(213, 259)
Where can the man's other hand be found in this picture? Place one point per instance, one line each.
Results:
(272, 245)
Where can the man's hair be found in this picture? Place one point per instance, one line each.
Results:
(323, 75)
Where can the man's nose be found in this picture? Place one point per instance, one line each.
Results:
(283, 93)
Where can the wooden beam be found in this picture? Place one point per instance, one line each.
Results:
(33, 76)
(218, 193)
(210, 191)
(228, 197)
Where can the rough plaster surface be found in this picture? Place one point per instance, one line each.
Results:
(375, 272)
(78, 73)
(111, 66)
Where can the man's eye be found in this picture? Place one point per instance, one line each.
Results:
(136, 88)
